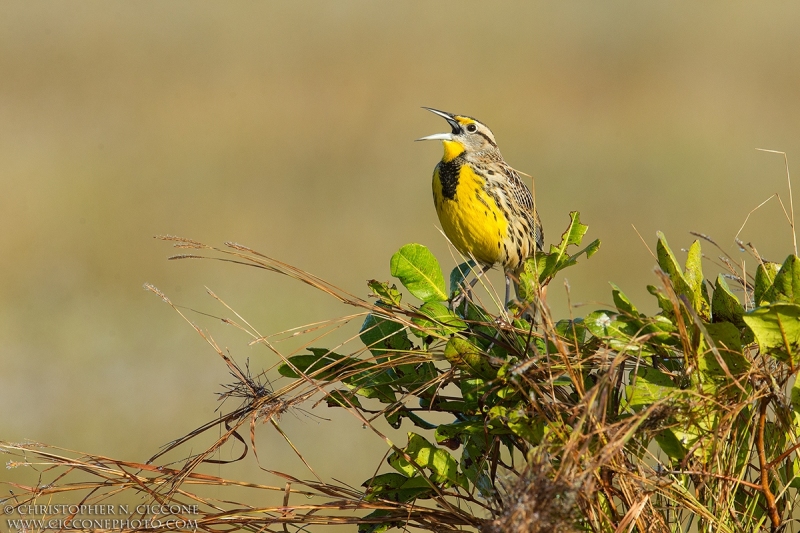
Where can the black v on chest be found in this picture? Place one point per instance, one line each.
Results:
(448, 176)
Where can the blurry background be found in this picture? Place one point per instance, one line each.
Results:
(289, 126)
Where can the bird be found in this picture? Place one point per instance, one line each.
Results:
(484, 207)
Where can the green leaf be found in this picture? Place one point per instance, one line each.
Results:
(648, 386)
(558, 259)
(366, 379)
(442, 466)
(451, 435)
(414, 375)
(669, 264)
(529, 276)
(377, 527)
(669, 442)
(771, 323)
(590, 249)
(342, 398)
(540, 269)
(373, 382)
(382, 335)
(574, 233)
(383, 393)
(765, 275)
(520, 424)
(662, 330)
(562, 381)
(795, 396)
(397, 488)
(725, 307)
(390, 480)
(630, 321)
(573, 331)
(794, 480)
(694, 277)
(440, 320)
(568, 261)
(618, 330)
(388, 295)
(418, 270)
(694, 434)
(786, 286)
(362, 377)
(725, 335)
(622, 302)
(459, 274)
(789, 473)
(664, 303)
(395, 419)
(467, 357)
(476, 468)
(312, 364)
(689, 283)
(694, 268)
(728, 342)
(471, 391)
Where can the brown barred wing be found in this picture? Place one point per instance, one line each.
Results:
(538, 231)
(524, 198)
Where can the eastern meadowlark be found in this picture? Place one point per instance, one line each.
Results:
(484, 207)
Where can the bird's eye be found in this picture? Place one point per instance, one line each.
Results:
(472, 128)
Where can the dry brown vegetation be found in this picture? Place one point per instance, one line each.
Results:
(681, 421)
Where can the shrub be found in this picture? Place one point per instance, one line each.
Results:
(617, 421)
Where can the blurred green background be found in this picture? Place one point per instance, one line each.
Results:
(289, 127)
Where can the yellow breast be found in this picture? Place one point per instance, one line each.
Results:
(470, 218)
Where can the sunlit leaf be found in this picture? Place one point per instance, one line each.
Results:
(459, 274)
(663, 302)
(395, 419)
(418, 270)
(671, 444)
(540, 269)
(574, 233)
(472, 390)
(725, 307)
(573, 331)
(453, 434)
(388, 295)
(377, 527)
(776, 326)
(648, 386)
(786, 285)
(693, 273)
(622, 302)
(728, 342)
(320, 364)
(765, 275)
(795, 399)
(442, 466)
(342, 398)
(688, 283)
(520, 423)
(618, 330)
(466, 356)
(440, 320)
(397, 488)
(381, 335)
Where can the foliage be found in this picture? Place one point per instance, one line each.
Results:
(618, 421)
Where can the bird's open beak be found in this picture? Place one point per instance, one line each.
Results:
(443, 136)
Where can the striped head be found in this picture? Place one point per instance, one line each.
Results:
(467, 136)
